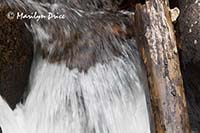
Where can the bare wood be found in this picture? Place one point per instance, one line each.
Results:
(159, 51)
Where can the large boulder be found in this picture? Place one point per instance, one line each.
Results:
(189, 25)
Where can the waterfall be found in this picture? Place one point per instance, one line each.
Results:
(97, 85)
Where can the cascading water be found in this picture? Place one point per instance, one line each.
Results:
(85, 77)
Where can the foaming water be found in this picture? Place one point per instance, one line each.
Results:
(107, 98)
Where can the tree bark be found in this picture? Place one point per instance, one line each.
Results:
(159, 51)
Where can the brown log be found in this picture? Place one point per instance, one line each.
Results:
(159, 51)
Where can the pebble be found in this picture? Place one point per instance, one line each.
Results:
(195, 41)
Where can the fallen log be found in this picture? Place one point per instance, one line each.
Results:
(159, 52)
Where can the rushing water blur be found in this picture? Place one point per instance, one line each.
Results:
(109, 97)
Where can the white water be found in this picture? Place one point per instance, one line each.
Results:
(114, 101)
(109, 98)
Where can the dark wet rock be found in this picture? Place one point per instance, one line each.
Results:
(189, 25)
(130, 4)
(16, 52)
(191, 76)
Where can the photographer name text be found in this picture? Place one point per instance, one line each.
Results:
(37, 17)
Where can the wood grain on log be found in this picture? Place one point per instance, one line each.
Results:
(158, 47)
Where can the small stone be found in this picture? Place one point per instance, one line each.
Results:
(175, 12)
(195, 41)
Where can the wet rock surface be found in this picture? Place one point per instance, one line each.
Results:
(189, 22)
(189, 25)
(192, 79)
(16, 52)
